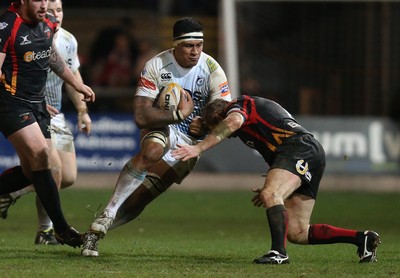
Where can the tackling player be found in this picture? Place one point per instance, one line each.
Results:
(297, 163)
(153, 170)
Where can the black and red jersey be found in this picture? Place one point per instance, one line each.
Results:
(27, 47)
(266, 124)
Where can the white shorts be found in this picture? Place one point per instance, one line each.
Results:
(181, 168)
(61, 135)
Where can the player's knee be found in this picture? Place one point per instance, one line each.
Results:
(270, 198)
(40, 158)
(297, 234)
(67, 181)
(153, 145)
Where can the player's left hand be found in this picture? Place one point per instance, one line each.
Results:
(186, 152)
(84, 122)
(196, 127)
(256, 200)
(52, 110)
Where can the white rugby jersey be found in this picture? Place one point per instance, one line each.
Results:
(67, 47)
(205, 81)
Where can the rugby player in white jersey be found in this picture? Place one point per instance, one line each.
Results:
(153, 170)
(63, 158)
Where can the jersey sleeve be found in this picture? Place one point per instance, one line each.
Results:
(5, 34)
(237, 106)
(147, 85)
(219, 87)
(75, 58)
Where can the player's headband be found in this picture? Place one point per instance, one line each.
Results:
(188, 37)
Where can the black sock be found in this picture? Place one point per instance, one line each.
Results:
(277, 219)
(46, 190)
(12, 180)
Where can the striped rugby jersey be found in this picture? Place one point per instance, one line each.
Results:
(67, 47)
(205, 81)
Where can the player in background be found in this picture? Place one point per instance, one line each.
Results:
(153, 170)
(296, 164)
(27, 51)
(62, 156)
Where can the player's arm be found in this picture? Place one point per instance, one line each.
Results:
(223, 130)
(60, 68)
(84, 121)
(148, 116)
(2, 58)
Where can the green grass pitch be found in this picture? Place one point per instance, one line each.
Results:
(200, 234)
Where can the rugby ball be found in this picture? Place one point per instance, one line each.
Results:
(169, 97)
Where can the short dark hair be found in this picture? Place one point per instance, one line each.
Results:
(186, 25)
(214, 111)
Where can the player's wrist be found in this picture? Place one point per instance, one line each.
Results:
(178, 116)
(82, 110)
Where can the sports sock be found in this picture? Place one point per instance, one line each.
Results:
(43, 219)
(327, 234)
(278, 221)
(46, 190)
(128, 181)
(22, 191)
(12, 180)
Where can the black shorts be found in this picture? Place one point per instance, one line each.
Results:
(16, 114)
(304, 156)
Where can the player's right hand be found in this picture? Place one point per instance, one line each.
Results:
(87, 92)
(256, 200)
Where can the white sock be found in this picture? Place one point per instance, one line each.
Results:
(43, 219)
(22, 191)
(128, 181)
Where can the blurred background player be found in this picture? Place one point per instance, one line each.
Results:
(297, 163)
(62, 156)
(27, 51)
(153, 170)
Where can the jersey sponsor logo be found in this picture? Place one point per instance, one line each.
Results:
(143, 82)
(302, 169)
(33, 56)
(212, 66)
(224, 88)
(3, 25)
(25, 40)
(166, 76)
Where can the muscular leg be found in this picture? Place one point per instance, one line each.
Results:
(279, 185)
(301, 232)
(161, 178)
(34, 156)
(69, 170)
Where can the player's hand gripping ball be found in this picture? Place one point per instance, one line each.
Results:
(174, 98)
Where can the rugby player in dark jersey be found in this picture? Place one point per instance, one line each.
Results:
(296, 164)
(26, 53)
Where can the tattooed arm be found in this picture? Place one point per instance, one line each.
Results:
(60, 68)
